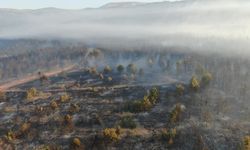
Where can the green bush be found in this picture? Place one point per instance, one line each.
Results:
(145, 104)
(110, 134)
(101, 76)
(64, 98)
(194, 83)
(10, 136)
(153, 95)
(180, 89)
(107, 69)
(131, 68)
(206, 79)
(139, 105)
(31, 93)
(76, 142)
(54, 105)
(175, 113)
(169, 135)
(95, 53)
(120, 68)
(93, 71)
(127, 122)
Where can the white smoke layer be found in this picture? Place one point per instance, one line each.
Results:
(196, 25)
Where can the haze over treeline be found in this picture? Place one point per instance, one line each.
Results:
(202, 25)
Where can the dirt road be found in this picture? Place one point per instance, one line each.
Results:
(13, 83)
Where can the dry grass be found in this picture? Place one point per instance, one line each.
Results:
(9, 109)
(141, 132)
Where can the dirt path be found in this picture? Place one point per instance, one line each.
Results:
(13, 83)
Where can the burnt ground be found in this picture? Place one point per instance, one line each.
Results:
(206, 121)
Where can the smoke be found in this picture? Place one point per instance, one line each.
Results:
(196, 25)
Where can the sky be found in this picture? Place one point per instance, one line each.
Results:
(66, 4)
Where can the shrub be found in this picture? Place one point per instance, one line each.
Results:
(153, 95)
(101, 76)
(10, 136)
(43, 79)
(139, 105)
(246, 143)
(76, 142)
(175, 113)
(206, 78)
(68, 119)
(180, 89)
(31, 93)
(194, 83)
(118, 130)
(25, 127)
(53, 105)
(107, 69)
(131, 68)
(64, 98)
(169, 135)
(110, 79)
(95, 53)
(120, 68)
(93, 71)
(74, 108)
(145, 104)
(111, 134)
(128, 122)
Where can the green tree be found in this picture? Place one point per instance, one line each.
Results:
(120, 68)
(153, 95)
(131, 68)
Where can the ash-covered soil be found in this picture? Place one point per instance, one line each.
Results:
(91, 109)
